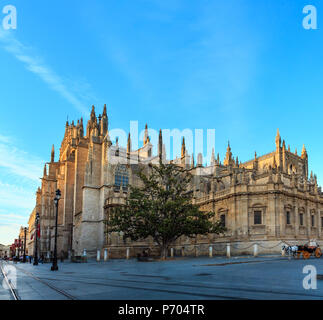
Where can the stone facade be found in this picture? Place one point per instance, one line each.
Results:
(4, 251)
(269, 198)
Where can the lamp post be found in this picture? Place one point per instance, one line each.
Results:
(36, 237)
(24, 259)
(19, 247)
(56, 200)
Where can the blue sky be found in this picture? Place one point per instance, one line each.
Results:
(242, 67)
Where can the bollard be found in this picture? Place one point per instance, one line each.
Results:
(172, 252)
(98, 256)
(106, 257)
(183, 252)
(128, 254)
(211, 252)
(84, 253)
(255, 250)
(228, 250)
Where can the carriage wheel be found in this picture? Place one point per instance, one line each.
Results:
(318, 253)
(306, 255)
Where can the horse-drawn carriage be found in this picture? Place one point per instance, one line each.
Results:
(307, 250)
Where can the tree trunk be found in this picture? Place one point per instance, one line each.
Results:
(164, 252)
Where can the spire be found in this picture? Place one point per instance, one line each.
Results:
(278, 139)
(228, 156)
(304, 152)
(129, 144)
(53, 154)
(288, 148)
(284, 145)
(213, 157)
(104, 122)
(200, 160)
(45, 171)
(296, 151)
(146, 137)
(81, 128)
(93, 114)
(183, 148)
(218, 159)
(104, 113)
(255, 155)
(192, 163)
(160, 145)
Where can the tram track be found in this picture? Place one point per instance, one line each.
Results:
(119, 283)
(54, 288)
(11, 287)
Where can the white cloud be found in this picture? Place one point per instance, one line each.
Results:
(19, 178)
(37, 66)
(19, 162)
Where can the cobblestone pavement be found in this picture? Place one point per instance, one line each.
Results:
(265, 277)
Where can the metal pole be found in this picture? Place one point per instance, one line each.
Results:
(19, 247)
(36, 244)
(24, 260)
(55, 266)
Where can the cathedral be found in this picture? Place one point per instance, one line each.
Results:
(268, 199)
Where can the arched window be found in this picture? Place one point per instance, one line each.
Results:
(121, 177)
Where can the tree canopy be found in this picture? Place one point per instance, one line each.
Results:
(162, 208)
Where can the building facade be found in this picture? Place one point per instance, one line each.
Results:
(270, 198)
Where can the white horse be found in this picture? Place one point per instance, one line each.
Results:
(290, 250)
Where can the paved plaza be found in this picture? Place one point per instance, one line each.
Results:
(267, 277)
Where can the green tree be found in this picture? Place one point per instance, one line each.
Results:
(162, 208)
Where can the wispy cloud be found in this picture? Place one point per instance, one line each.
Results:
(37, 66)
(19, 162)
(19, 177)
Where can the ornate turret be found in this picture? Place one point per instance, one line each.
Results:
(228, 157)
(200, 160)
(160, 145)
(104, 122)
(255, 163)
(213, 162)
(278, 140)
(45, 171)
(53, 155)
(129, 144)
(81, 129)
(146, 136)
(93, 117)
(183, 152)
(304, 153)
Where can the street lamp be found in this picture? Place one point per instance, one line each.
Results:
(56, 200)
(19, 247)
(36, 244)
(24, 260)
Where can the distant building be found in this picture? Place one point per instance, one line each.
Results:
(4, 251)
(268, 199)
